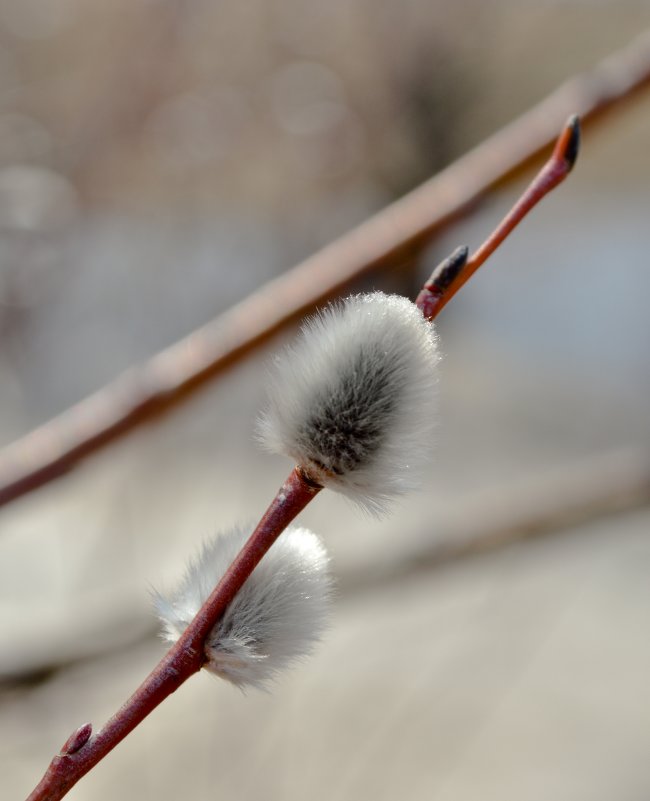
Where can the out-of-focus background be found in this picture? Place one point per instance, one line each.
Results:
(158, 161)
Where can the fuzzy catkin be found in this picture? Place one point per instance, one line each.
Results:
(353, 400)
(276, 617)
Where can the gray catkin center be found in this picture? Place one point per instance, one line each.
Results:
(348, 421)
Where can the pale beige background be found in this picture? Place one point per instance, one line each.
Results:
(156, 162)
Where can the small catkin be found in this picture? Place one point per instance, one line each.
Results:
(276, 617)
(353, 399)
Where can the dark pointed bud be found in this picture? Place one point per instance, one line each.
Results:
(572, 143)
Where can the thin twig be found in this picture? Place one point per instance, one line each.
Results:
(449, 276)
(82, 751)
(391, 237)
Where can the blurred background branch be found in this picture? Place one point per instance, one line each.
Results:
(163, 161)
(392, 237)
(560, 501)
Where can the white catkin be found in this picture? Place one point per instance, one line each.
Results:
(353, 400)
(276, 617)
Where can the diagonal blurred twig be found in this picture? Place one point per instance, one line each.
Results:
(391, 237)
(554, 503)
(557, 503)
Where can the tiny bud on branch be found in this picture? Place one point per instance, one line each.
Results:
(552, 173)
(441, 279)
(77, 739)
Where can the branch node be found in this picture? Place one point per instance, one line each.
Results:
(77, 740)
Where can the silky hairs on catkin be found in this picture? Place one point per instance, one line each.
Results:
(275, 618)
(353, 399)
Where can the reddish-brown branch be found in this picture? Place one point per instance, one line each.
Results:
(82, 751)
(391, 237)
(457, 269)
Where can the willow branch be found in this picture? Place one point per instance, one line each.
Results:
(451, 274)
(82, 751)
(395, 235)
